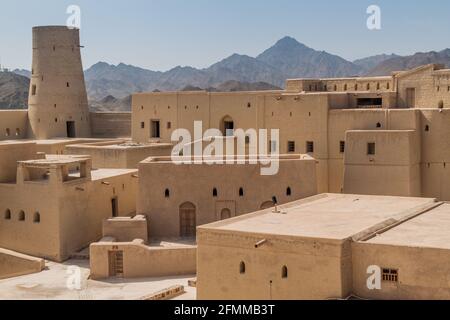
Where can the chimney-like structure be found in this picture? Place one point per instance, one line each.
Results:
(58, 105)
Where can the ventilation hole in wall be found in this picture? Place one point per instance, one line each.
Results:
(37, 217)
(241, 192)
(284, 272)
(390, 275)
(167, 193)
(342, 146)
(378, 125)
(56, 119)
(242, 267)
(7, 214)
(288, 191)
(249, 105)
(215, 192)
(371, 148)
(427, 128)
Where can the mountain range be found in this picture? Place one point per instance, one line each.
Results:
(109, 86)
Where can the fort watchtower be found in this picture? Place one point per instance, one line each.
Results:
(58, 105)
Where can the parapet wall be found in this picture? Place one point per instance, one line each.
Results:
(111, 124)
(125, 229)
(13, 124)
(13, 264)
(141, 261)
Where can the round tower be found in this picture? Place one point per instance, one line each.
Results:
(58, 105)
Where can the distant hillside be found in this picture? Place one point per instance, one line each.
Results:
(231, 86)
(371, 62)
(13, 91)
(410, 62)
(22, 72)
(111, 104)
(295, 60)
(287, 58)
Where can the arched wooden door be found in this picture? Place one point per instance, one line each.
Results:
(188, 220)
(225, 214)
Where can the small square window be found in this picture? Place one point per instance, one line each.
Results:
(390, 275)
(371, 149)
(142, 125)
(309, 147)
(169, 125)
(291, 146)
(342, 146)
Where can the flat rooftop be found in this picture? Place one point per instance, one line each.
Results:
(229, 159)
(100, 174)
(55, 160)
(120, 145)
(328, 216)
(428, 230)
(50, 284)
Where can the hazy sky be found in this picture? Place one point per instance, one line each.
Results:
(161, 34)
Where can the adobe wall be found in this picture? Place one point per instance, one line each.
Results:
(12, 152)
(110, 124)
(13, 264)
(393, 170)
(422, 272)
(317, 269)
(88, 208)
(126, 229)
(194, 183)
(431, 86)
(39, 239)
(141, 261)
(13, 124)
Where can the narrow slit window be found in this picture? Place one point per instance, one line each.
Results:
(371, 148)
